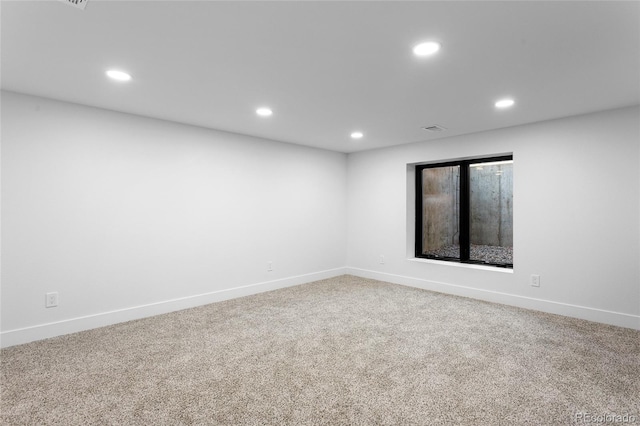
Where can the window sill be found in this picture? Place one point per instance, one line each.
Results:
(462, 265)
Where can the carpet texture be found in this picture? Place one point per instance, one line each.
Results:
(341, 351)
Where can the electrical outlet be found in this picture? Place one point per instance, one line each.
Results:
(269, 266)
(535, 280)
(382, 259)
(51, 300)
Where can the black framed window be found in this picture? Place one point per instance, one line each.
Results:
(464, 211)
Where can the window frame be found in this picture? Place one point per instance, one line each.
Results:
(463, 212)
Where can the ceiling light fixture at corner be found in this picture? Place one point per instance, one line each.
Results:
(357, 135)
(264, 112)
(505, 103)
(426, 49)
(118, 75)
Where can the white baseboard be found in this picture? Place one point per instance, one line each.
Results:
(73, 325)
(582, 312)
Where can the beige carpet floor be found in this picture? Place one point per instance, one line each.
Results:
(341, 351)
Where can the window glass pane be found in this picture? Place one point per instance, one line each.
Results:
(491, 212)
(440, 206)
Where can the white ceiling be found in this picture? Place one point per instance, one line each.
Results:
(328, 68)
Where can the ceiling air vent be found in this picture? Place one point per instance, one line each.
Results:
(434, 128)
(80, 4)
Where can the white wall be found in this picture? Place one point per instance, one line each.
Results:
(576, 211)
(127, 216)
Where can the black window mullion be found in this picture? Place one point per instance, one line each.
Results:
(419, 209)
(465, 248)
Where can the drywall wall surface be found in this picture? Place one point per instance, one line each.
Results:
(575, 216)
(115, 211)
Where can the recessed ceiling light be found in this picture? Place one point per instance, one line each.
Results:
(505, 103)
(426, 49)
(118, 75)
(264, 112)
(357, 135)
